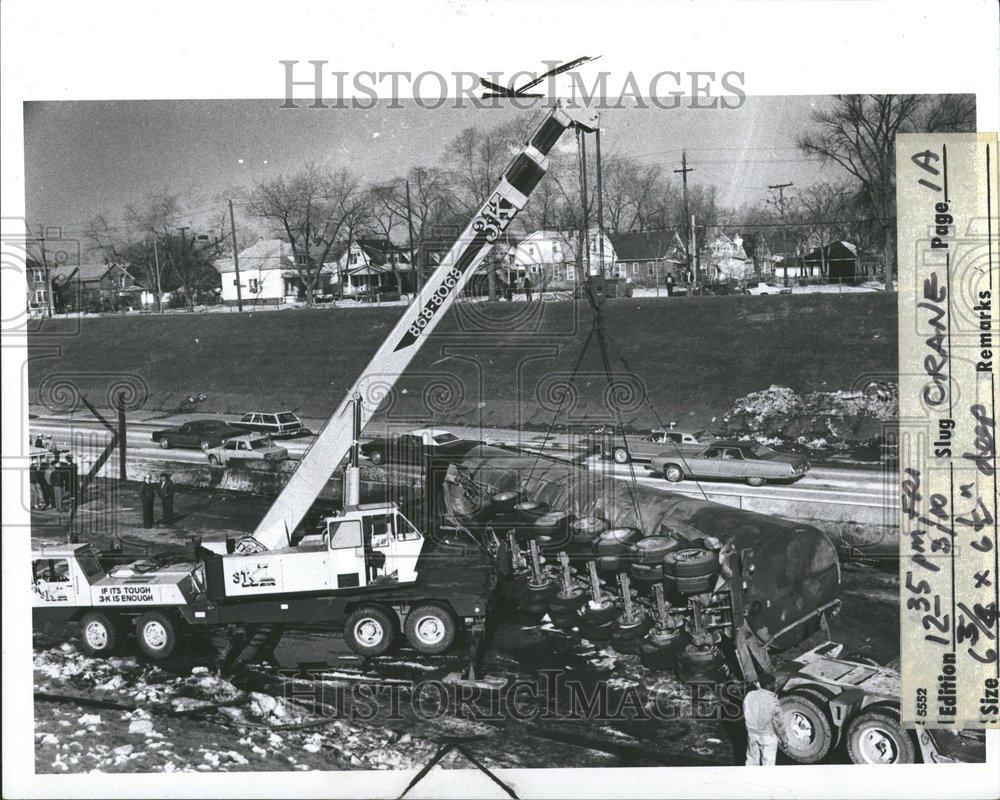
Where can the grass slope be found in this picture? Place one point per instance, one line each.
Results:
(495, 364)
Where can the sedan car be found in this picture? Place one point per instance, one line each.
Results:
(750, 462)
(201, 433)
(762, 287)
(278, 424)
(659, 440)
(413, 445)
(248, 447)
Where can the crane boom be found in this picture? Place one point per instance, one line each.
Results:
(422, 315)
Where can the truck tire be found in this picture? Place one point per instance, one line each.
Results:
(690, 562)
(369, 631)
(157, 634)
(876, 737)
(681, 587)
(430, 629)
(616, 542)
(808, 733)
(650, 550)
(100, 634)
(620, 455)
(503, 502)
(673, 473)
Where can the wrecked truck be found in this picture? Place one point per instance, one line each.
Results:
(687, 583)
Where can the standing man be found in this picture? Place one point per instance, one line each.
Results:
(147, 495)
(72, 481)
(670, 284)
(509, 289)
(166, 491)
(57, 480)
(48, 494)
(765, 729)
(37, 477)
(527, 288)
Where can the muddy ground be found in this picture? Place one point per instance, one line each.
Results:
(130, 715)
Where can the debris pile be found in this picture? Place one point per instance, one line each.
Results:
(847, 422)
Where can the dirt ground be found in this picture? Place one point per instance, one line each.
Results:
(130, 715)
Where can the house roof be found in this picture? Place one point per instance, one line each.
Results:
(645, 245)
(86, 273)
(267, 254)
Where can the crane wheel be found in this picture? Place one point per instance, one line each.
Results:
(369, 631)
(691, 562)
(430, 629)
(100, 634)
(157, 634)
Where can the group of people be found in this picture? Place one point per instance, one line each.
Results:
(55, 482)
(148, 492)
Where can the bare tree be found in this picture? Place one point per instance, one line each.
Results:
(859, 134)
(313, 209)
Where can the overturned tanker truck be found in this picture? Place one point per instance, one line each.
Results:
(688, 584)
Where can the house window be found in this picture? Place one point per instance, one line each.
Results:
(571, 273)
(535, 269)
(555, 249)
(40, 296)
(255, 285)
(353, 259)
(651, 270)
(635, 269)
(39, 275)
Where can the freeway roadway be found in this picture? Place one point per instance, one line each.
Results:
(849, 494)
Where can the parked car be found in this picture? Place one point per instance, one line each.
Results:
(756, 464)
(278, 424)
(200, 433)
(763, 287)
(247, 447)
(412, 446)
(659, 440)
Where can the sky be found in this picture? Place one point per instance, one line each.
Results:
(84, 158)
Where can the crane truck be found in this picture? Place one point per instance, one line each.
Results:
(365, 569)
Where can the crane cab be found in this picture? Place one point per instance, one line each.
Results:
(364, 546)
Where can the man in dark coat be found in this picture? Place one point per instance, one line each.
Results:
(147, 494)
(166, 491)
(37, 476)
(72, 474)
(48, 495)
(56, 475)
(527, 288)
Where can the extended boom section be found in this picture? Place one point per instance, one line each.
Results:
(333, 442)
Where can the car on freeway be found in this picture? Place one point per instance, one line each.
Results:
(412, 446)
(763, 287)
(277, 424)
(658, 440)
(753, 463)
(199, 433)
(246, 447)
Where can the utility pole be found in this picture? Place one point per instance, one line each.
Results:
(236, 259)
(584, 186)
(600, 199)
(48, 277)
(684, 170)
(780, 188)
(184, 256)
(156, 267)
(409, 224)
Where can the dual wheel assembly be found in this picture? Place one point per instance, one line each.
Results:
(873, 736)
(372, 630)
(103, 634)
